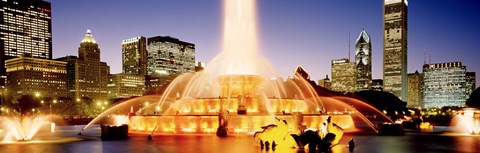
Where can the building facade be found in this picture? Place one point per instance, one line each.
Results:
(199, 66)
(377, 85)
(125, 85)
(25, 29)
(325, 83)
(155, 85)
(343, 75)
(415, 90)
(167, 55)
(87, 76)
(471, 84)
(134, 56)
(363, 61)
(444, 84)
(395, 29)
(34, 76)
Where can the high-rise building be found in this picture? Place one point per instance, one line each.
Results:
(25, 29)
(134, 56)
(87, 76)
(167, 58)
(363, 61)
(444, 84)
(343, 75)
(34, 76)
(395, 47)
(325, 82)
(125, 85)
(167, 55)
(415, 90)
(377, 85)
(470, 83)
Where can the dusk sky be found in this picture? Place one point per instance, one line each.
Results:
(309, 32)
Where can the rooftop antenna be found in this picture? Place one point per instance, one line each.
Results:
(349, 46)
(429, 58)
(424, 56)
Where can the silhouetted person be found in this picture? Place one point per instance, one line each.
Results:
(351, 145)
(261, 144)
(417, 122)
(273, 145)
(267, 145)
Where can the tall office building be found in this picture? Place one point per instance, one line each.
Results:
(30, 76)
(125, 85)
(415, 90)
(363, 61)
(470, 83)
(167, 55)
(167, 58)
(87, 76)
(134, 56)
(395, 47)
(343, 75)
(25, 29)
(444, 84)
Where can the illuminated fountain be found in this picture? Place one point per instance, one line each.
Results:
(467, 121)
(238, 93)
(21, 129)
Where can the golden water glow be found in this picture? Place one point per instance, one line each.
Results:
(22, 129)
(467, 121)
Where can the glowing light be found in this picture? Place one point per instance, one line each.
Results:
(22, 129)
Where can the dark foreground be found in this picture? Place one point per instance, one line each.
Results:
(90, 142)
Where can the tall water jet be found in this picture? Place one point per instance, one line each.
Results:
(22, 129)
(240, 50)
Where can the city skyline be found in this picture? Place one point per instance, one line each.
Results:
(322, 36)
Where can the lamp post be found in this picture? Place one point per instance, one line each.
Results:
(54, 101)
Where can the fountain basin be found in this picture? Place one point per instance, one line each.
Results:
(391, 129)
(110, 132)
(237, 124)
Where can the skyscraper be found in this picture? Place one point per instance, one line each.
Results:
(25, 28)
(444, 84)
(134, 56)
(470, 83)
(167, 55)
(395, 47)
(415, 90)
(87, 76)
(167, 58)
(363, 61)
(343, 75)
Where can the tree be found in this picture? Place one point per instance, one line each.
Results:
(27, 103)
(474, 99)
(384, 101)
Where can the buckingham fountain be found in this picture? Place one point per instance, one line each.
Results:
(237, 93)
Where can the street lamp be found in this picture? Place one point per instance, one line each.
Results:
(54, 101)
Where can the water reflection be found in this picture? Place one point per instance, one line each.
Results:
(244, 144)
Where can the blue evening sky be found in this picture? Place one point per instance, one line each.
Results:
(308, 32)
